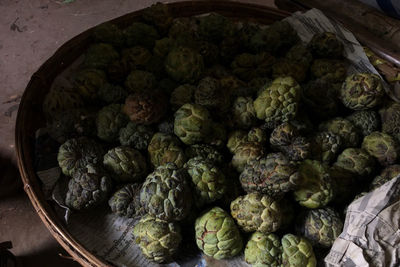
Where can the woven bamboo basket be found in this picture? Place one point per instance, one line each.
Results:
(30, 108)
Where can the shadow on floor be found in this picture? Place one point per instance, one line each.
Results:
(10, 181)
(47, 257)
(33, 244)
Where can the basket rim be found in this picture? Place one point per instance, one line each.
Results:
(23, 142)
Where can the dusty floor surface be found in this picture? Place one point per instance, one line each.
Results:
(30, 32)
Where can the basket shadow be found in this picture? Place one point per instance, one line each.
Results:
(10, 181)
(47, 257)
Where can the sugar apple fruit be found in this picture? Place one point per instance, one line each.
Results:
(273, 175)
(158, 240)
(126, 164)
(279, 101)
(217, 235)
(165, 194)
(297, 252)
(165, 148)
(76, 153)
(257, 212)
(263, 250)
(89, 187)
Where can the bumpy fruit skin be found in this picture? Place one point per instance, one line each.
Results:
(263, 250)
(285, 67)
(321, 226)
(357, 161)
(245, 153)
(145, 107)
(208, 93)
(184, 65)
(243, 113)
(279, 101)
(208, 51)
(325, 146)
(257, 212)
(273, 175)
(315, 188)
(257, 134)
(235, 139)
(300, 54)
(288, 35)
(215, 27)
(89, 187)
(390, 117)
(246, 32)
(72, 123)
(297, 252)
(136, 57)
(286, 139)
(112, 94)
(125, 201)
(158, 240)
(362, 91)
(164, 148)
(217, 235)
(181, 95)
(98, 56)
(326, 45)
(249, 66)
(110, 34)
(366, 121)
(208, 180)
(166, 194)
(136, 135)
(278, 37)
(88, 82)
(235, 86)
(126, 164)
(264, 40)
(159, 16)
(320, 98)
(118, 70)
(383, 147)
(141, 34)
(109, 121)
(331, 70)
(185, 26)
(163, 46)
(344, 128)
(140, 81)
(205, 151)
(60, 99)
(386, 175)
(76, 153)
(192, 123)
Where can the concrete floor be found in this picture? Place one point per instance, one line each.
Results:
(30, 32)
